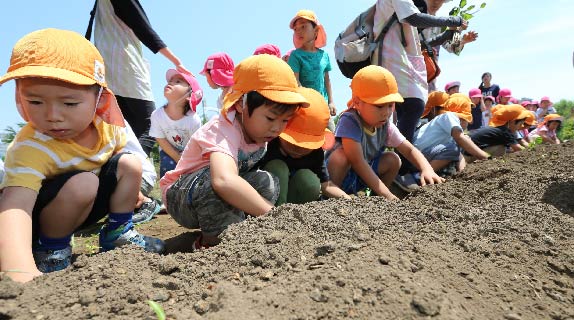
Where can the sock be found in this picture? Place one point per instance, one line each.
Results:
(115, 220)
(47, 243)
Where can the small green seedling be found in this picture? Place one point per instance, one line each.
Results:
(466, 13)
(156, 307)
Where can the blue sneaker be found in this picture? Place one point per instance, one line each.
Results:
(146, 212)
(406, 182)
(52, 260)
(126, 234)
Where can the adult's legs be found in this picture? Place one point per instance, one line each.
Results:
(137, 113)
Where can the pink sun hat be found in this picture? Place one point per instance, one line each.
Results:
(451, 84)
(491, 98)
(474, 93)
(220, 67)
(268, 49)
(196, 92)
(546, 98)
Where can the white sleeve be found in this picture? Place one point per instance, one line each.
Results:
(155, 128)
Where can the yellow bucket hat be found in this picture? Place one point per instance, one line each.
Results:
(66, 56)
(506, 113)
(459, 104)
(268, 75)
(435, 99)
(321, 39)
(375, 85)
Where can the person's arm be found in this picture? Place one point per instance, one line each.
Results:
(423, 20)
(16, 260)
(232, 188)
(332, 108)
(354, 153)
(414, 156)
(466, 143)
(168, 148)
(440, 38)
(133, 15)
(330, 190)
(515, 147)
(545, 138)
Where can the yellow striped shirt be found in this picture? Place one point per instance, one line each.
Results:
(33, 156)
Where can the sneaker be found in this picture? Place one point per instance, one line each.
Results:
(406, 182)
(52, 260)
(126, 234)
(146, 212)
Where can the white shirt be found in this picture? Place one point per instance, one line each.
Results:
(437, 131)
(176, 132)
(405, 63)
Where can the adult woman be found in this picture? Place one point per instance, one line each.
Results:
(487, 88)
(401, 55)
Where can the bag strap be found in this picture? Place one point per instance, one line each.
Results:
(388, 25)
(91, 23)
(426, 46)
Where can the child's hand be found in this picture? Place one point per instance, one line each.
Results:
(332, 109)
(430, 177)
(469, 37)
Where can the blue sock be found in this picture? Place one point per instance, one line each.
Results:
(47, 243)
(115, 220)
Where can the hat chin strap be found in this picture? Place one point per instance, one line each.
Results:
(98, 101)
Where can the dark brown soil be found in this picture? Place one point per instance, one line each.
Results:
(495, 242)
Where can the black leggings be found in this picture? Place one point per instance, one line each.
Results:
(408, 116)
(137, 113)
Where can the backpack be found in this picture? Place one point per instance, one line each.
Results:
(355, 45)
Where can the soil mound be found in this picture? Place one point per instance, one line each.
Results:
(494, 242)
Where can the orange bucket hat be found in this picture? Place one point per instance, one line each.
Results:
(551, 117)
(321, 39)
(268, 75)
(375, 85)
(66, 56)
(308, 127)
(435, 99)
(459, 104)
(506, 113)
(530, 119)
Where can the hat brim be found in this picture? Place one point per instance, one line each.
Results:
(50, 73)
(393, 97)
(304, 140)
(279, 96)
(222, 77)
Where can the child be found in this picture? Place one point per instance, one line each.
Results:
(358, 160)
(494, 140)
(523, 133)
(452, 87)
(310, 63)
(504, 96)
(547, 129)
(65, 169)
(477, 108)
(173, 124)
(442, 139)
(487, 113)
(545, 108)
(218, 71)
(213, 184)
(435, 102)
(297, 158)
(268, 49)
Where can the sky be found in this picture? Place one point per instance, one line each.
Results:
(526, 45)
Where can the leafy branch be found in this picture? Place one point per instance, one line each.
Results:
(466, 12)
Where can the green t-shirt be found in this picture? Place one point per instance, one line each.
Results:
(311, 67)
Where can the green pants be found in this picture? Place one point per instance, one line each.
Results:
(300, 187)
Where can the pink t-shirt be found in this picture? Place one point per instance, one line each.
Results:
(217, 135)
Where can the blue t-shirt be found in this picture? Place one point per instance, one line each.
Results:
(311, 67)
(476, 118)
(437, 131)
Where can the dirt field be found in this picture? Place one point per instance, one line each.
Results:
(495, 242)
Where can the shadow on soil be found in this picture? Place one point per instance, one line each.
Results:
(560, 195)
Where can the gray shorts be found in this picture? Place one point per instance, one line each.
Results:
(193, 203)
(449, 151)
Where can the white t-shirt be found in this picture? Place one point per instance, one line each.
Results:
(176, 132)
(437, 131)
(133, 146)
(405, 63)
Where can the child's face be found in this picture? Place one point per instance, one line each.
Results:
(292, 150)
(544, 104)
(475, 101)
(304, 30)
(176, 88)
(56, 108)
(553, 125)
(375, 116)
(452, 90)
(488, 103)
(265, 123)
(504, 100)
(212, 84)
(515, 125)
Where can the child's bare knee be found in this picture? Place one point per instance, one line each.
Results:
(81, 188)
(391, 160)
(129, 164)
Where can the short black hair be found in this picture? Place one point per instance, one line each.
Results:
(256, 100)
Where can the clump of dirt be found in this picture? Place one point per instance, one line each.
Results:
(494, 242)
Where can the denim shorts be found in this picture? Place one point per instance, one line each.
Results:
(449, 151)
(353, 183)
(193, 203)
(166, 163)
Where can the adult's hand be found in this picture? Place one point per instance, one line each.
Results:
(181, 68)
(469, 37)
